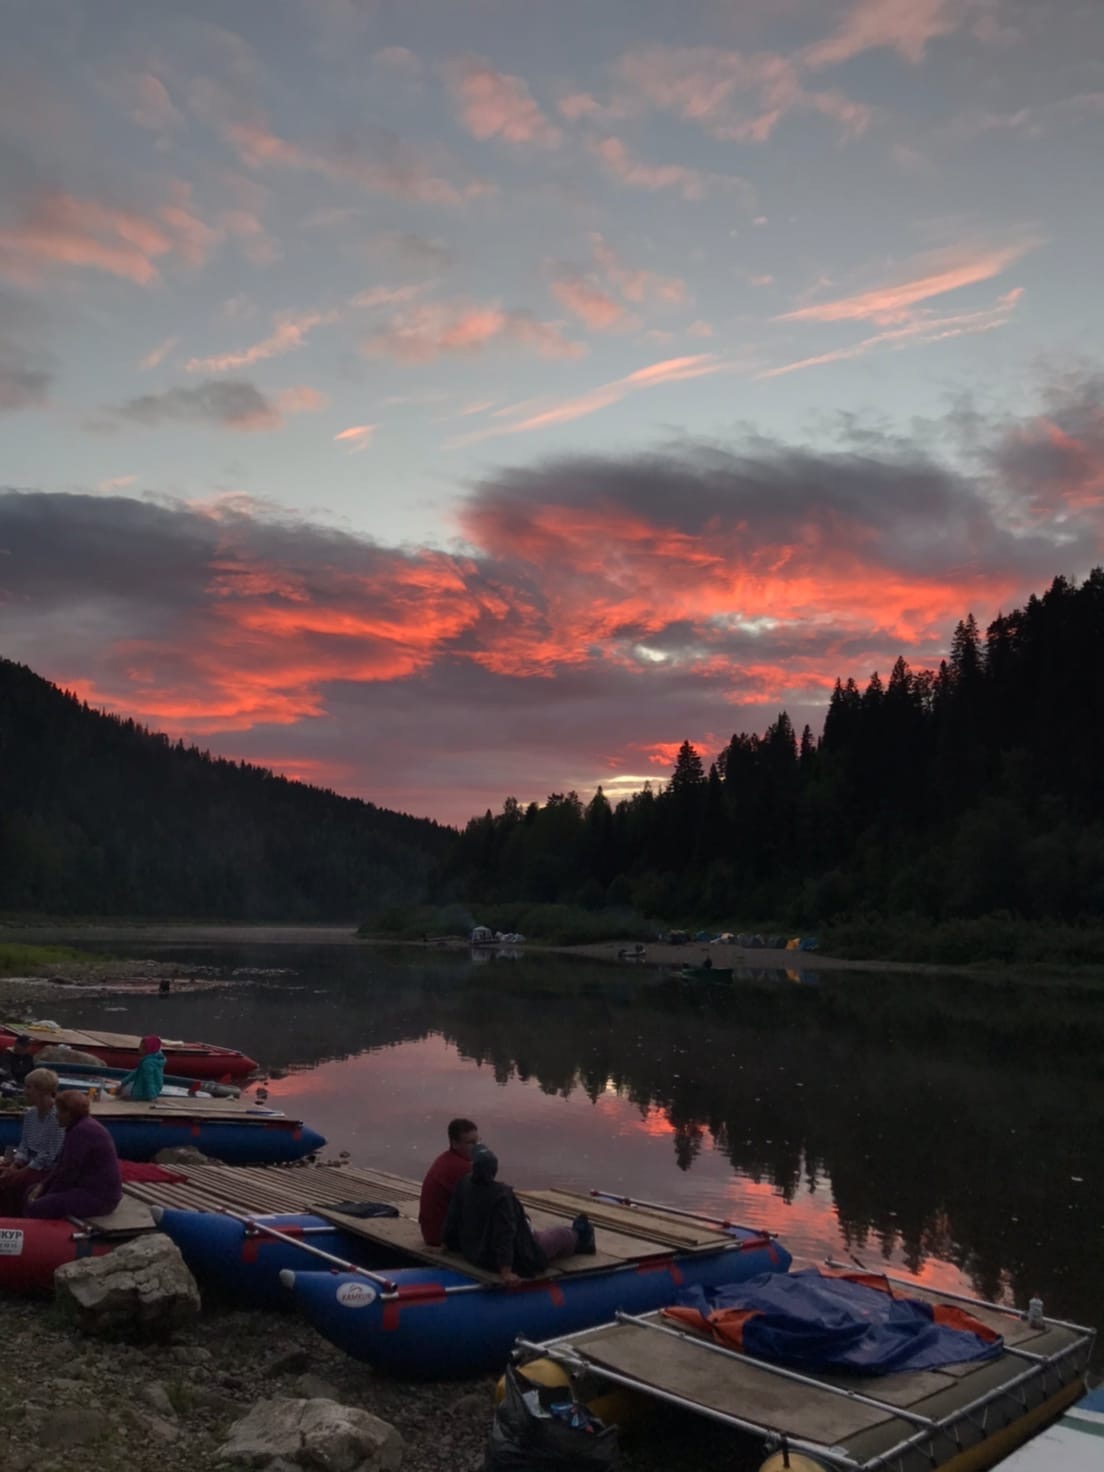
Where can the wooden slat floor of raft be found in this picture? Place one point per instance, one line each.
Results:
(172, 1107)
(659, 1225)
(82, 1038)
(263, 1190)
(740, 1387)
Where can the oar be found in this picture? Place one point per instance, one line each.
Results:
(385, 1284)
(613, 1199)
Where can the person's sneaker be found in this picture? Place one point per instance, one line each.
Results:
(584, 1234)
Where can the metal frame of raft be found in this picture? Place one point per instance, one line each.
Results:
(938, 1441)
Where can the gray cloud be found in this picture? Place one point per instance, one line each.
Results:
(25, 376)
(603, 609)
(229, 403)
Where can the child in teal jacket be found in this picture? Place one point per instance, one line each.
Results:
(148, 1079)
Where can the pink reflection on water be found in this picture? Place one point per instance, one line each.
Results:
(389, 1108)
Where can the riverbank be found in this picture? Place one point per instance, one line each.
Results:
(657, 954)
(168, 1407)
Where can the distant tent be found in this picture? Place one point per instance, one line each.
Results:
(481, 936)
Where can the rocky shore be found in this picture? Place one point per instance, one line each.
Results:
(154, 1407)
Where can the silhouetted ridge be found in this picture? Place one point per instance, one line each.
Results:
(100, 816)
(963, 791)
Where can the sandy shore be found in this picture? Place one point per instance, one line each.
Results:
(656, 954)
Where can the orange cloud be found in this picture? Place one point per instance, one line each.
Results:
(62, 230)
(890, 303)
(494, 104)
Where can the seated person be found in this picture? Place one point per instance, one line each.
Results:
(148, 1079)
(39, 1145)
(86, 1180)
(486, 1223)
(441, 1178)
(18, 1060)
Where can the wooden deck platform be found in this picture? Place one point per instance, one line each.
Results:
(958, 1411)
(622, 1234)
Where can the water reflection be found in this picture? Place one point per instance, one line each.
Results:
(921, 1121)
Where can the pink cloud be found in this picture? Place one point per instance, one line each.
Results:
(356, 437)
(926, 327)
(147, 101)
(156, 356)
(301, 400)
(671, 370)
(734, 96)
(494, 104)
(402, 174)
(253, 240)
(61, 230)
(439, 329)
(635, 284)
(585, 299)
(904, 26)
(692, 184)
(289, 333)
(950, 271)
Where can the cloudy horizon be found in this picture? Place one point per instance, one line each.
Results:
(436, 403)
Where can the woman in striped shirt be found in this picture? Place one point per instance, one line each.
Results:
(39, 1144)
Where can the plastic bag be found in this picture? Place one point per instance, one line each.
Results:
(528, 1437)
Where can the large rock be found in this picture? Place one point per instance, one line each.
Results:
(141, 1290)
(181, 1155)
(285, 1435)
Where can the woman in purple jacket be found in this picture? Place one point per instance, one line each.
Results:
(85, 1181)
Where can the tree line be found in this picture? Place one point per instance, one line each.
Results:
(99, 816)
(968, 790)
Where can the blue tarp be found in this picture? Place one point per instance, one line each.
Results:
(814, 1322)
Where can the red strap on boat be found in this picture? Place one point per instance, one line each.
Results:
(407, 1294)
(660, 1265)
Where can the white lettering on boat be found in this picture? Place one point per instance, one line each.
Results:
(11, 1242)
(356, 1295)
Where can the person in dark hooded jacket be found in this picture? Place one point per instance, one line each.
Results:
(486, 1223)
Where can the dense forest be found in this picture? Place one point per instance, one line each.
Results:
(970, 790)
(99, 816)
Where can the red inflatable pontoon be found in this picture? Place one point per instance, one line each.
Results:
(120, 1050)
(30, 1250)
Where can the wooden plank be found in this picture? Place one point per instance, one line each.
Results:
(402, 1234)
(129, 1216)
(630, 1218)
(735, 1386)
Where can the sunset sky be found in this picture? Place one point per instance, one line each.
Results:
(441, 399)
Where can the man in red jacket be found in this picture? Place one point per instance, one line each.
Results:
(441, 1179)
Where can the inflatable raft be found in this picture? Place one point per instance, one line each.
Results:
(224, 1129)
(243, 1258)
(440, 1322)
(121, 1050)
(31, 1250)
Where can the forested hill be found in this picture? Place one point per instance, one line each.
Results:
(99, 816)
(963, 791)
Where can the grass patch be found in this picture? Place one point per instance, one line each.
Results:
(24, 960)
(1000, 940)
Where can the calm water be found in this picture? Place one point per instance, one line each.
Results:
(948, 1128)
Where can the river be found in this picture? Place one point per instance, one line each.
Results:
(946, 1128)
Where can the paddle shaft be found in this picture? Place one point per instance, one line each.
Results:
(714, 1221)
